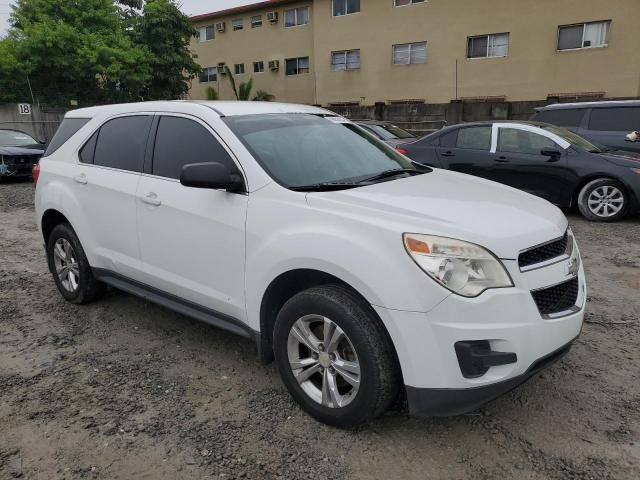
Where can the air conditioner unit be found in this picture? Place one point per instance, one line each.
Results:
(274, 65)
(221, 69)
(220, 26)
(272, 16)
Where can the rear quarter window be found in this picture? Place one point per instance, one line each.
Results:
(561, 118)
(67, 129)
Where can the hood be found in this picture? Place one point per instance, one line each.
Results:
(22, 150)
(623, 159)
(450, 204)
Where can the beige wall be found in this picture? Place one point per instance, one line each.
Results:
(532, 70)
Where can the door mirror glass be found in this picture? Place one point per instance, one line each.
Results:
(550, 152)
(211, 175)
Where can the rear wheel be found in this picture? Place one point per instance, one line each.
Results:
(70, 267)
(603, 200)
(334, 357)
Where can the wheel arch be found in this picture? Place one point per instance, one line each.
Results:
(50, 219)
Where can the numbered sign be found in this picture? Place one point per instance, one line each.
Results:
(24, 109)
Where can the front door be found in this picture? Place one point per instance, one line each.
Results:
(192, 240)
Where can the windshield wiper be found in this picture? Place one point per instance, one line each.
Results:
(392, 173)
(325, 187)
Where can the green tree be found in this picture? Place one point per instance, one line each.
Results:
(212, 94)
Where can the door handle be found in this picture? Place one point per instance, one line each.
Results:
(501, 160)
(82, 178)
(448, 154)
(152, 199)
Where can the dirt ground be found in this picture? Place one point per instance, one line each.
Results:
(124, 389)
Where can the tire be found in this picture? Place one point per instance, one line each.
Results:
(603, 200)
(360, 341)
(76, 283)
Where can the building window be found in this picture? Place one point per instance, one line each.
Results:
(209, 74)
(584, 35)
(296, 66)
(345, 60)
(237, 24)
(256, 21)
(206, 33)
(238, 68)
(296, 16)
(258, 67)
(410, 53)
(345, 7)
(483, 46)
(404, 3)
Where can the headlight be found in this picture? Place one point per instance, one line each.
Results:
(570, 243)
(464, 268)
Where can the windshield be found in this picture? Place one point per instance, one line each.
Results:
(299, 149)
(575, 140)
(13, 138)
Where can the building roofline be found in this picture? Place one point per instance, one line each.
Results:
(240, 9)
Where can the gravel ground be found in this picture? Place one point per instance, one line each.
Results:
(124, 389)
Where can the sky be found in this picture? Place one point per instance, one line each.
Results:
(190, 7)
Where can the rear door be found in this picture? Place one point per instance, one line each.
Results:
(519, 164)
(192, 240)
(467, 150)
(610, 126)
(107, 177)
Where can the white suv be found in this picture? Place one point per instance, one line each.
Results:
(366, 276)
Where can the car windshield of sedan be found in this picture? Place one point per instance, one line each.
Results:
(390, 132)
(299, 150)
(13, 138)
(575, 140)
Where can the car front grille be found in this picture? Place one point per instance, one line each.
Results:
(558, 298)
(544, 252)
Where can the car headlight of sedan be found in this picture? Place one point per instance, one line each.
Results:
(464, 268)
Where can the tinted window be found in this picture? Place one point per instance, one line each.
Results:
(180, 141)
(89, 148)
(625, 119)
(520, 141)
(66, 130)
(562, 118)
(449, 139)
(477, 138)
(121, 143)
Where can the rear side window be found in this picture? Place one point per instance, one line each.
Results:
(561, 118)
(622, 119)
(66, 130)
(121, 143)
(476, 138)
(180, 141)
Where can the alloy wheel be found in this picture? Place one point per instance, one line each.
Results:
(323, 361)
(605, 201)
(66, 265)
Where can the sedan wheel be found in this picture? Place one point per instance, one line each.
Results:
(603, 200)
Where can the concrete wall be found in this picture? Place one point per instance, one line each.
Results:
(40, 123)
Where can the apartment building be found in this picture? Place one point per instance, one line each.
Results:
(333, 52)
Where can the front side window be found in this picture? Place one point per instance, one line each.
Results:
(410, 53)
(121, 143)
(209, 74)
(475, 138)
(256, 21)
(583, 35)
(296, 16)
(626, 119)
(345, 60)
(345, 7)
(513, 140)
(403, 3)
(180, 141)
(258, 67)
(206, 33)
(302, 149)
(296, 66)
(237, 24)
(67, 129)
(484, 46)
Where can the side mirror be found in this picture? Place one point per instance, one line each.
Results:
(550, 152)
(212, 175)
(633, 137)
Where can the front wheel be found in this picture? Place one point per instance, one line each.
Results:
(334, 357)
(603, 200)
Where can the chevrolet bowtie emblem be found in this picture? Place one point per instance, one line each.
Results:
(572, 267)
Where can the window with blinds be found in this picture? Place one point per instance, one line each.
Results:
(584, 35)
(410, 53)
(484, 46)
(345, 60)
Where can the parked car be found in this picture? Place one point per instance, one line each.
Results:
(608, 123)
(387, 132)
(19, 151)
(544, 160)
(361, 272)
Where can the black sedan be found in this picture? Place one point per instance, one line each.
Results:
(541, 159)
(19, 151)
(387, 132)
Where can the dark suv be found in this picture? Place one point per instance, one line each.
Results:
(608, 123)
